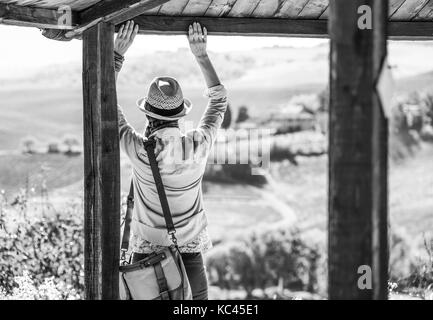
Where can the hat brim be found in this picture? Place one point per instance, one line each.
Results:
(187, 105)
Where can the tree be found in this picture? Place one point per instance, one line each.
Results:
(324, 100)
(227, 118)
(428, 103)
(402, 142)
(242, 114)
(53, 147)
(414, 98)
(70, 142)
(29, 144)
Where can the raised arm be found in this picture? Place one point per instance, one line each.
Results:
(198, 42)
(129, 138)
(217, 105)
(125, 38)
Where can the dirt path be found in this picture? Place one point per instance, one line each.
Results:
(275, 197)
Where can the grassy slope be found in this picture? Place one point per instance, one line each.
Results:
(16, 171)
(244, 206)
(410, 185)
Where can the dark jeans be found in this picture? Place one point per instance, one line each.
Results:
(195, 271)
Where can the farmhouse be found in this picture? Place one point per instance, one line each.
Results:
(292, 119)
(358, 139)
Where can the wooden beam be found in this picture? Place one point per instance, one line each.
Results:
(233, 26)
(34, 17)
(411, 30)
(270, 27)
(358, 154)
(101, 165)
(118, 11)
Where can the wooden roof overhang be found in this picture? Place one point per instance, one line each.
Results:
(408, 19)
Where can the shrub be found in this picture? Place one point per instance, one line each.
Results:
(233, 173)
(53, 147)
(71, 141)
(265, 260)
(401, 261)
(44, 247)
(242, 114)
(26, 289)
(324, 100)
(227, 118)
(403, 141)
(280, 153)
(29, 144)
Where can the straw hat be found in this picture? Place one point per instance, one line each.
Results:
(165, 100)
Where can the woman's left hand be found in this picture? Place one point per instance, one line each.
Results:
(125, 37)
(197, 37)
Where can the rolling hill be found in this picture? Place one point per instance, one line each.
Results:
(48, 104)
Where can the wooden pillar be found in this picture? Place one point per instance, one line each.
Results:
(358, 153)
(101, 165)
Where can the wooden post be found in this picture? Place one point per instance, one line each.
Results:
(101, 165)
(358, 153)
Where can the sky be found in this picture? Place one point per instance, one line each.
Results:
(25, 49)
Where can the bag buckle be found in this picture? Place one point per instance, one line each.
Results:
(173, 237)
(123, 256)
(130, 202)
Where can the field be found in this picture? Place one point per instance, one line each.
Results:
(410, 192)
(295, 194)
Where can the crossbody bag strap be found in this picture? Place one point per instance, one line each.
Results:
(128, 218)
(150, 148)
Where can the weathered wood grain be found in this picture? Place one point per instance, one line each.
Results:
(233, 26)
(290, 9)
(173, 8)
(220, 8)
(325, 14)
(101, 165)
(196, 7)
(426, 13)
(153, 11)
(408, 10)
(394, 5)
(142, 8)
(243, 8)
(358, 154)
(407, 30)
(313, 9)
(75, 5)
(118, 11)
(266, 8)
